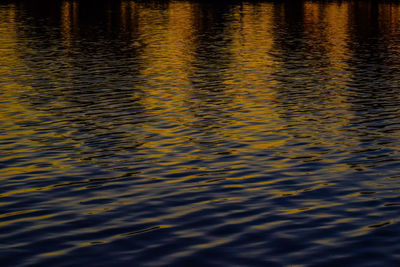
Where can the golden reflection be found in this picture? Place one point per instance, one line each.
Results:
(124, 7)
(326, 26)
(391, 13)
(66, 23)
(308, 207)
(186, 108)
(389, 26)
(214, 243)
(56, 253)
(325, 32)
(29, 219)
(12, 83)
(8, 41)
(69, 22)
(252, 65)
(312, 14)
(167, 43)
(336, 21)
(16, 213)
(251, 47)
(337, 18)
(172, 56)
(168, 40)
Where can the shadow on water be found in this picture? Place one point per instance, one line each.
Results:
(373, 88)
(208, 100)
(306, 94)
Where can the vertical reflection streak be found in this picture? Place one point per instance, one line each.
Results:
(66, 24)
(251, 73)
(166, 36)
(12, 68)
(337, 34)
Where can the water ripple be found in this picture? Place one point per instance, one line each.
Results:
(186, 132)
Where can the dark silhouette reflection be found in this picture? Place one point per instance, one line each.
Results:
(289, 40)
(302, 51)
(373, 88)
(88, 75)
(209, 100)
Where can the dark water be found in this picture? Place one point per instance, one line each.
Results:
(199, 133)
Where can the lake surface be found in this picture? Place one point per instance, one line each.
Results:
(197, 133)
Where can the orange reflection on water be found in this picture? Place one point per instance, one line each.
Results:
(11, 70)
(181, 73)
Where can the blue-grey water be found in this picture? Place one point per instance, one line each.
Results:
(182, 133)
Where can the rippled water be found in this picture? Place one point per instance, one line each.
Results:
(177, 133)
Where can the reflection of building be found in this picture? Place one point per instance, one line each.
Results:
(165, 39)
(327, 29)
(252, 42)
(391, 14)
(338, 35)
(251, 68)
(251, 53)
(8, 39)
(205, 66)
(69, 20)
(389, 27)
(12, 66)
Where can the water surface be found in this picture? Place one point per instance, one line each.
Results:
(214, 134)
